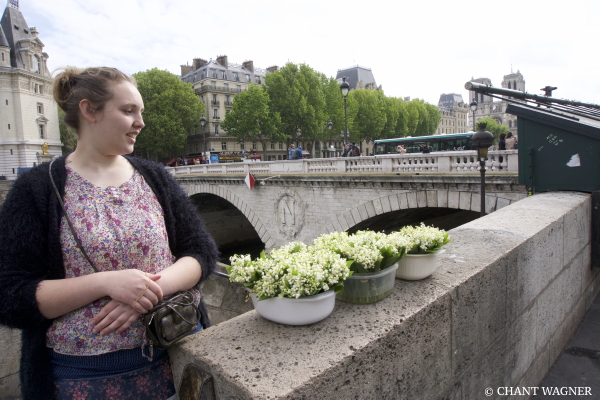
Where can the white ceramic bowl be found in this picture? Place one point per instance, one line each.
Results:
(301, 311)
(413, 267)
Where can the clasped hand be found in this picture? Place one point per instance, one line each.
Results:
(133, 293)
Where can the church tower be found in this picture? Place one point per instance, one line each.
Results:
(28, 112)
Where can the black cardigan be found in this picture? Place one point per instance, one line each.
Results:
(30, 252)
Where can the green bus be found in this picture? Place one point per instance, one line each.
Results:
(443, 142)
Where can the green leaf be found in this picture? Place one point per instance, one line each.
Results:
(338, 287)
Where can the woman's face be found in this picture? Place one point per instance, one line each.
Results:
(116, 127)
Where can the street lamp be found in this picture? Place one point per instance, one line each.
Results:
(473, 106)
(202, 123)
(345, 88)
(329, 126)
(481, 141)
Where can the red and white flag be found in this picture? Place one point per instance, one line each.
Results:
(250, 181)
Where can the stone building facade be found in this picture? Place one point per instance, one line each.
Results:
(496, 109)
(216, 82)
(28, 112)
(454, 114)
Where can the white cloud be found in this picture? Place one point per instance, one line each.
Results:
(417, 49)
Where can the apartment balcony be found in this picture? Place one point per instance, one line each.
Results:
(215, 88)
(215, 103)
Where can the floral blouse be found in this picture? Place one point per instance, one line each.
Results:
(120, 228)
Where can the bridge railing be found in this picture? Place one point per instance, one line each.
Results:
(498, 161)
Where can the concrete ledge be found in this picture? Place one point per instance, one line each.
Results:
(511, 289)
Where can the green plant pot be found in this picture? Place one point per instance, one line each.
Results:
(368, 288)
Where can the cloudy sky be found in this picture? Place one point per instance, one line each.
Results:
(414, 48)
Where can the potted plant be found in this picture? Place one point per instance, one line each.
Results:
(374, 257)
(293, 285)
(421, 255)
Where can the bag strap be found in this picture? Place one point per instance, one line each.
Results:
(62, 204)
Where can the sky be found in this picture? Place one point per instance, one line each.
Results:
(419, 49)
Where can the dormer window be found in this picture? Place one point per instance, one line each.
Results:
(25, 30)
(36, 64)
(16, 27)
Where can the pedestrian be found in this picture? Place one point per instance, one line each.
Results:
(299, 154)
(401, 149)
(424, 148)
(511, 141)
(292, 152)
(82, 330)
(346, 150)
(502, 141)
(354, 151)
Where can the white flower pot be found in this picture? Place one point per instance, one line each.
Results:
(300, 311)
(413, 267)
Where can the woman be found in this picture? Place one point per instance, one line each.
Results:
(82, 331)
(510, 141)
(401, 149)
(502, 141)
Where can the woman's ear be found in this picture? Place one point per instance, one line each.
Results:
(87, 110)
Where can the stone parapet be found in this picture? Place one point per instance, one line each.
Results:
(511, 289)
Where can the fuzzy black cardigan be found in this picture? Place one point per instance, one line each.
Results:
(30, 252)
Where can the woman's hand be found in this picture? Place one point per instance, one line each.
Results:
(135, 288)
(114, 317)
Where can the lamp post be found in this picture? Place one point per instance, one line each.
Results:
(345, 88)
(473, 106)
(329, 126)
(202, 123)
(481, 141)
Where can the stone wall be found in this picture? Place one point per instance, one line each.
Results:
(511, 290)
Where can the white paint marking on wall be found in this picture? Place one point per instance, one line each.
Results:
(575, 161)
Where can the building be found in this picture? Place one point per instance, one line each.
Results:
(454, 114)
(489, 107)
(358, 77)
(216, 82)
(28, 112)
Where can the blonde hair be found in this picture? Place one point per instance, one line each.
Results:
(94, 84)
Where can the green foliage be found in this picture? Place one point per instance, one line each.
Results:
(493, 126)
(251, 118)
(366, 110)
(296, 93)
(424, 118)
(172, 111)
(67, 137)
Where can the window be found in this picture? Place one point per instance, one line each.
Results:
(40, 108)
(226, 86)
(272, 146)
(242, 145)
(214, 99)
(247, 78)
(41, 131)
(223, 145)
(254, 145)
(11, 153)
(223, 75)
(37, 88)
(239, 88)
(216, 113)
(235, 76)
(280, 146)
(36, 64)
(216, 130)
(7, 102)
(8, 126)
(2, 56)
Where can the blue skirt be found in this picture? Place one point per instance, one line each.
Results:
(124, 374)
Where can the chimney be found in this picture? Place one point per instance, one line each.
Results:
(185, 69)
(198, 63)
(272, 68)
(223, 61)
(249, 65)
(34, 31)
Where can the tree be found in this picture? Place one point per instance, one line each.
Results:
(493, 126)
(67, 137)
(334, 107)
(172, 110)
(366, 107)
(251, 119)
(296, 93)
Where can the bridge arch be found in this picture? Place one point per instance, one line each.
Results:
(434, 198)
(238, 203)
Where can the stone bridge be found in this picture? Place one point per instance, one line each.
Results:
(300, 200)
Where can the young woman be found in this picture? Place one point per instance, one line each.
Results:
(82, 330)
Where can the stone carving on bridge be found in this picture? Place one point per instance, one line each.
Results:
(290, 213)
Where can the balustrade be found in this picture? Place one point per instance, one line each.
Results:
(498, 161)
